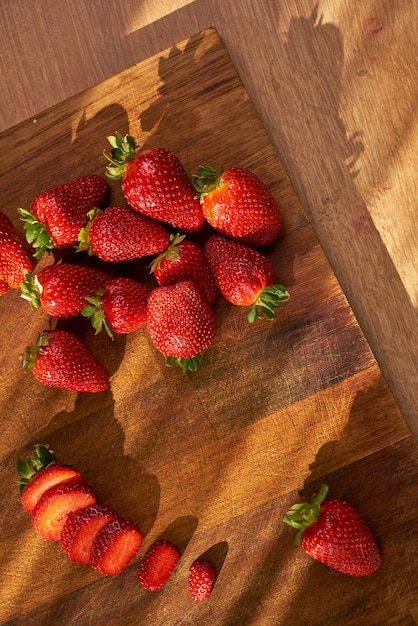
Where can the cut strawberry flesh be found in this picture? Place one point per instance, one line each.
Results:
(81, 528)
(44, 480)
(115, 546)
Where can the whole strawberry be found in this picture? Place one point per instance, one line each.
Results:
(154, 183)
(15, 261)
(120, 234)
(181, 323)
(334, 533)
(236, 203)
(59, 359)
(56, 216)
(61, 289)
(120, 307)
(202, 576)
(184, 260)
(245, 277)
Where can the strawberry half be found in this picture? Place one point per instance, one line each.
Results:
(59, 359)
(245, 277)
(154, 183)
(236, 203)
(333, 532)
(114, 547)
(55, 217)
(202, 576)
(81, 528)
(158, 564)
(15, 261)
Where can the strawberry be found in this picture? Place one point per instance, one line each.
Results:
(15, 261)
(60, 289)
(121, 307)
(81, 529)
(51, 510)
(59, 359)
(121, 234)
(245, 277)
(181, 323)
(154, 183)
(56, 216)
(202, 576)
(334, 533)
(41, 472)
(114, 547)
(158, 564)
(236, 203)
(184, 260)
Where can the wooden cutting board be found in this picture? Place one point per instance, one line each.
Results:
(213, 459)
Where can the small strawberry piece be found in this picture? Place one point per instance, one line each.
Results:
(158, 564)
(114, 547)
(15, 261)
(184, 260)
(181, 323)
(59, 359)
(55, 217)
(202, 576)
(245, 277)
(154, 183)
(121, 307)
(333, 532)
(50, 513)
(81, 528)
(237, 204)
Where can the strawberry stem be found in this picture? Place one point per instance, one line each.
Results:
(187, 365)
(171, 253)
(206, 180)
(268, 301)
(83, 239)
(123, 150)
(40, 459)
(31, 291)
(300, 516)
(94, 311)
(36, 233)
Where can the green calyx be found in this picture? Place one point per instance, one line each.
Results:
(28, 358)
(83, 239)
(94, 311)
(207, 179)
(36, 233)
(40, 459)
(171, 253)
(187, 365)
(31, 290)
(268, 301)
(301, 516)
(123, 150)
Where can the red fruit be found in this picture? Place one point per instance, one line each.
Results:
(115, 546)
(157, 565)
(121, 234)
(154, 183)
(50, 513)
(81, 528)
(121, 307)
(15, 261)
(245, 277)
(334, 533)
(61, 289)
(184, 260)
(202, 576)
(181, 323)
(59, 359)
(236, 203)
(56, 216)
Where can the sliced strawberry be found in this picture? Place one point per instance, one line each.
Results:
(202, 576)
(157, 565)
(81, 528)
(115, 546)
(49, 477)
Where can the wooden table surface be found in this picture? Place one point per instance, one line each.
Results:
(336, 94)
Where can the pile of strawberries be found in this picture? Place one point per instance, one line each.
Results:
(231, 209)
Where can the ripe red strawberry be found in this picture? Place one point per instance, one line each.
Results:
(56, 216)
(59, 359)
(81, 529)
(120, 234)
(121, 307)
(60, 289)
(115, 546)
(236, 203)
(184, 260)
(181, 323)
(158, 564)
(334, 533)
(15, 261)
(154, 183)
(245, 277)
(202, 576)
(50, 513)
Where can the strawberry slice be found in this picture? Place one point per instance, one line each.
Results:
(115, 546)
(81, 528)
(157, 565)
(50, 513)
(202, 576)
